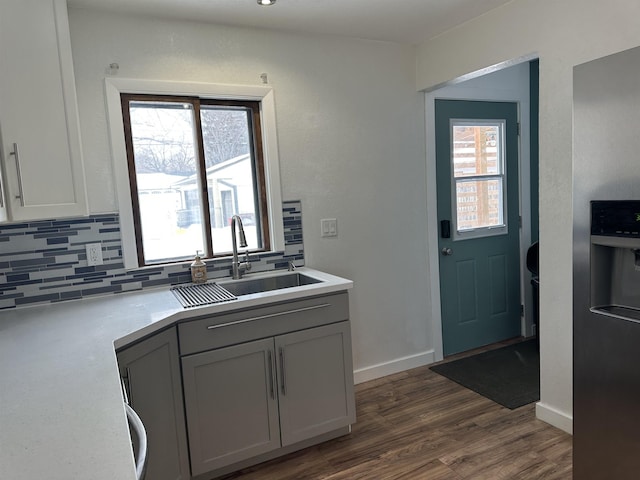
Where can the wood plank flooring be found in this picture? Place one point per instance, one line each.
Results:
(418, 425)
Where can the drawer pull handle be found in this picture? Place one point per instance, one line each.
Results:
(270, 315)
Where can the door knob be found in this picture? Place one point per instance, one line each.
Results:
(446, 251)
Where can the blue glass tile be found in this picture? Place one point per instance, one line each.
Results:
(56, 286)
(10, 296)
(86, 275)
(58, 266)
(43, 229)
(37, 298)
(183, 272)
(29, 262)
(57, 241)
(89, 281)
(100, 290)
(53, 279)
(74, 221)
(41, 223)
(15, 226)
(72, 294)
(85, 269)
(50, 252)
(157, 282)
(17, 277)
(45, 234)
(109, 267)
(76, 251)
(26, 282)
(127, 280)
(75, 230)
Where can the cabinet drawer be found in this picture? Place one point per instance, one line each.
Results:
(252, 324)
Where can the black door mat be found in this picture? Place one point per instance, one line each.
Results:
(509, 375)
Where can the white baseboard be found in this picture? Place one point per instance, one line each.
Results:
(394, 366)
(554, 417)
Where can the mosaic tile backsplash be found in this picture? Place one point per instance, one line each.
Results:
(46, 261)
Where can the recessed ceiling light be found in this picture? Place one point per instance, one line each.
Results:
(266, 2)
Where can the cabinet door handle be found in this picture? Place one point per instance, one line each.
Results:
(17, 157)
(270, 315)
(126, 386)
(270, 360)
(283, 385)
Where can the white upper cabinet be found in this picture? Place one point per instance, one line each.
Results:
(43, 175)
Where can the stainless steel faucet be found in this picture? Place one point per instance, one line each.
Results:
(237, 266)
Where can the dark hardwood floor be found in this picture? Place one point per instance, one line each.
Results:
(418, 425)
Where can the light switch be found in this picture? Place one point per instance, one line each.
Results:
(329, 227)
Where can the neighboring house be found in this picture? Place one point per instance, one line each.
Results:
(230, 193)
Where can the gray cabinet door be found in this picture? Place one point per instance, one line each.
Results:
(315, 381)
(151, 371)
(231, 403)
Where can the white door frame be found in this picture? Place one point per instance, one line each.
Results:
(510, 85)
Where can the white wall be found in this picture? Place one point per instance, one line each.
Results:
(563, 34)
(351, 141)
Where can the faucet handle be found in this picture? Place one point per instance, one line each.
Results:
(247, 262)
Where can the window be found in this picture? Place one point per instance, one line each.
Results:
(477, 158)
(175, 147)
(187, 157)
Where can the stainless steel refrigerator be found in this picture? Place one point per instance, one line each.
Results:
(607, 348)
(606, 268)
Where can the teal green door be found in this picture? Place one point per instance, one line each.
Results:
(478, 212)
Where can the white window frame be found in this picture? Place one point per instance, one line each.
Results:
(481, 231)
(263, 94)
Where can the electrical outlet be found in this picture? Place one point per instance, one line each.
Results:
(94, 254)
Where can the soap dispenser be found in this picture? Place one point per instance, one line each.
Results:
(198, 270)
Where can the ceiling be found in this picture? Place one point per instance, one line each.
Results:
(402, 21)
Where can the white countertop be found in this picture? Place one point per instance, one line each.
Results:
(61, 409)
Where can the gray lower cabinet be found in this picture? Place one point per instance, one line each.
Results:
(315, 380)
(248, 399)
(230, 399)
(150, 370)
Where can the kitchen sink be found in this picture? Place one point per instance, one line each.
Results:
(266, 284)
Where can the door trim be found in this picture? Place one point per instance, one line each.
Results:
(464, 92)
